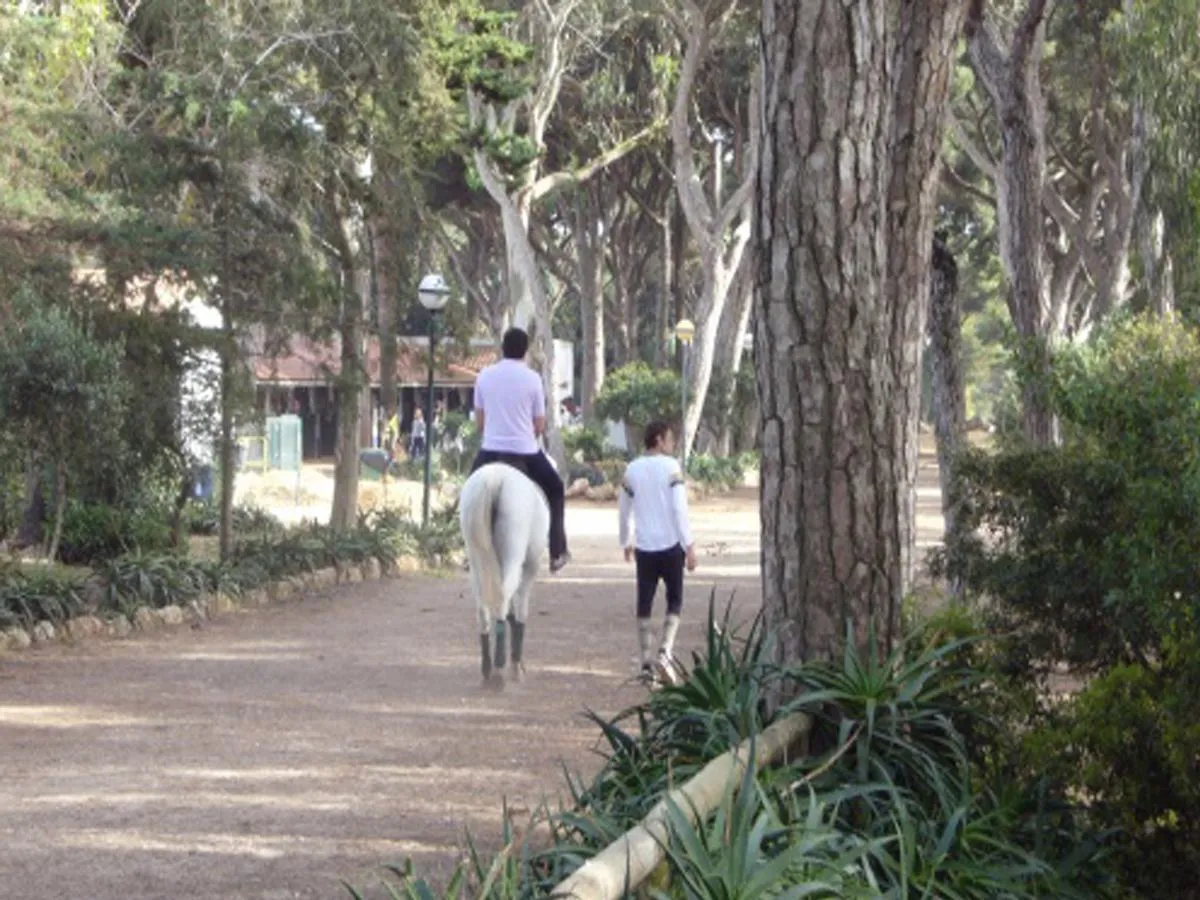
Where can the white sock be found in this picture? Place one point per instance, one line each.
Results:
(645, 640)
(670, 628)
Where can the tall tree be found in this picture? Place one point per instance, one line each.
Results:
(853, 116)
(720, 224)
(508, 155)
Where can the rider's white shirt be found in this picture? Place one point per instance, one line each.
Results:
(511, 397)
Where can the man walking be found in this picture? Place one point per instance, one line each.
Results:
(653, 492)
(510, 411)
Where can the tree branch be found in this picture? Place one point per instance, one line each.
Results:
(982, 160)
(548, 184)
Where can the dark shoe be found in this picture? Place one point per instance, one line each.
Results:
(648, 676)
(559, 561)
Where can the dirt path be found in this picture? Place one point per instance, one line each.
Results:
(273, 752)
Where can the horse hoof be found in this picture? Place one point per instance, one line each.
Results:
(518, 672)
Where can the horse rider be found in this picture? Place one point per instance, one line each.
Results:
(510, 411)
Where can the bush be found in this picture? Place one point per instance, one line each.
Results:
(585, 443)
(1086, 554)
(94, 532)
(458, 443)
(722, 472)
(28, 598)
(637, 395)
(887, 805)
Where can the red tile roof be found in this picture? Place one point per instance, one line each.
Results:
(304, 361)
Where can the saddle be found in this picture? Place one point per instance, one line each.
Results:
(512, 460)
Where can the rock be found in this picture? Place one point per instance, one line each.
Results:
(407, 564)
(84, 627)
(144, 619)
(371, 570)
(351, 574)
(17, 638)
(257, 597)
(119, 626)
(171, 615)
(579, 488)
(602, 493)
(324, 578)
(279, 590)
(43, 632)
(299, 585)
(221, 603)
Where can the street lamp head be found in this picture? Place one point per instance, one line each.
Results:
(433, 292)
(685, 330)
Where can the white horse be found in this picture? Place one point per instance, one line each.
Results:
(505, 521)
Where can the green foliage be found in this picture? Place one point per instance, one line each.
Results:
(28, 598)
(721, 472)
(889, 804)
(154, 580)
(584, 443)
(1085, 555)
(458, 443)
(94, 532)
(61, 391)
(637, 395)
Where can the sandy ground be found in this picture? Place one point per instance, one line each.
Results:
(272, 752)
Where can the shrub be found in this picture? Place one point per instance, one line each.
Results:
(637, 395)
(585, 443)
(1086, 555)
(458, 443)
(723, 472)
(154, 580)
(887, 805)
(94, 532)
(28, 598)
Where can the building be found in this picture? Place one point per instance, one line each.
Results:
(299, 378)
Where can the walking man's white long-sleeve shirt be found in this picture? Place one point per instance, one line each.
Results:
(654, 494)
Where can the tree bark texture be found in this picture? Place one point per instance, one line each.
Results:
(854, 101)
(1012, 82)
(948, 386)
(589, 249)
(351, 378)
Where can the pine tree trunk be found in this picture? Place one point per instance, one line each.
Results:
(386, 265)
(351, 378)
(854, 105)
(1011, 79)
(227, 452)
(60, 505)
(949, 390)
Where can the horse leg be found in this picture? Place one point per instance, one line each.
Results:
(520, 614)
(501, 650)
(485, 645)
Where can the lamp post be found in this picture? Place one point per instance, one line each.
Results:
(685, 330)
(433, 295)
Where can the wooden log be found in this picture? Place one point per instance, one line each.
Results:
(625, 863)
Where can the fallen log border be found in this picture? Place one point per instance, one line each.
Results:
(624, 864)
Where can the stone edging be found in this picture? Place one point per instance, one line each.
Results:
(145, 619)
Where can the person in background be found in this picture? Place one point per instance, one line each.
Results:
(510, 412)
(416, 441)
(654, 495)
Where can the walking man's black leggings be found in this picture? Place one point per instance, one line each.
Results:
(655, 566)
